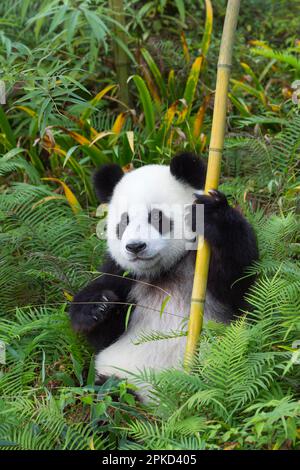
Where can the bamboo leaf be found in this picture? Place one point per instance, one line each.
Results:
(150, 84)
(27, 110)
(155, 72)
(98, 27)
(58, 18)
(192, 82)
(171, 84)
(76, 167)
(250, 89)
(119, 123)
(125, 49)
(185, 48)
(130, 138)
(4, 124)
(191, 85)
(69, 154)
(100, 136)
(239, 104)
(46, 199)
(93, 103)
(200, 117)
(78, 137)
(146, 103)
(24, 8)
(250, 72)
(163, 305)
(97, 156)
(127, 318)
(68, 78)
(43, 114)
(170, 114)
(68, 296)
(88, 147)
(38, 26)
(181, 9)
(71, 25)
(208, 28)
(70, 196)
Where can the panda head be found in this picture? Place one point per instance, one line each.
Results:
(146, 230)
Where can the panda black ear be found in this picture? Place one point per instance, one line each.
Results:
(189, 168)
(105, 180)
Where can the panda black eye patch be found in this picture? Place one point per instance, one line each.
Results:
(121, 226)
(160, 221)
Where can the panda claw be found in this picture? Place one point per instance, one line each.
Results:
(86, 312)
(217, 195)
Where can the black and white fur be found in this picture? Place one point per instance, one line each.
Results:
(163, 266)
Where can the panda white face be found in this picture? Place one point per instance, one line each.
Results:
(146, 229)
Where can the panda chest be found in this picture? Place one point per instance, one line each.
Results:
(159, 309)
(156, 310)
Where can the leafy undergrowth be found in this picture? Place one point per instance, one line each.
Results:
(243, 391)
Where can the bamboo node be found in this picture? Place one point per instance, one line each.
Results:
(214, 149)
(198, 301)
(225, 66)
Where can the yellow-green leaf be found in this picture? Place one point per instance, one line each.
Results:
(119, 123)
(155, 72)
(146, 103)
(164, 303)
(200, 117)
(128, 313)
(27, 110)
(46, 199)
(130, 138)
(68, 296)
(70, 196)
(208, 28)
(93, 102)
(185, 48)
(191, 85)
(100, 136)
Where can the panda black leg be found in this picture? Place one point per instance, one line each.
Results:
(233, 248)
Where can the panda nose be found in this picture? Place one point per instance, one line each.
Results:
(135, 247)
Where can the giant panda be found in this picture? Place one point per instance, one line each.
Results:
(145, 264)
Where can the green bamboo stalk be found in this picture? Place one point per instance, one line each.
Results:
(212, 177)
(120, 57)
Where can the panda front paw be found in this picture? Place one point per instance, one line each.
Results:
(87, 311)
(216, 212)
(214, 203)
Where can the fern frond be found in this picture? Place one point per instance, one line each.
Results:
(285, 57)
(146, 337)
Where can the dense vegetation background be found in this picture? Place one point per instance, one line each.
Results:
(64, 66)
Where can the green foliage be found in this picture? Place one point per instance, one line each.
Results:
(48, 398)
(267, 167)
(242, 391)
(51, 246)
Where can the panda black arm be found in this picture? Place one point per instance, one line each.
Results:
(233, 249)
(97, 310)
